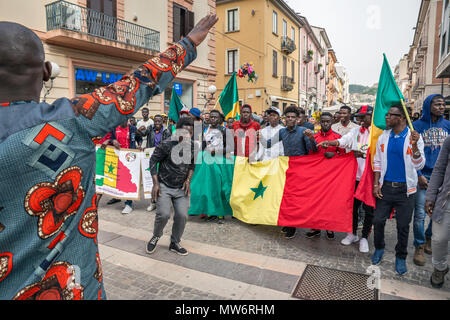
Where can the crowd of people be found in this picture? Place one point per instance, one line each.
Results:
(403, 167)
(48, 220)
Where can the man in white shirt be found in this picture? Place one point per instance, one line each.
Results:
(271, 132)
(143, 125)
(345, 125)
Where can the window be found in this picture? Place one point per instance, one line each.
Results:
(233, 20)
(293, 70)
(99, 25)
(293, 34)
(183, 22)
(232, 61)
(275, 23)
(304, 75)
(284, 28)
(444, 40)
(275, 64)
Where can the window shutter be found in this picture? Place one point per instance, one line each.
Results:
(274, 64)
(189, 22)
(176, 23)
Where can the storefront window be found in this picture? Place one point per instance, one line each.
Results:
(87, 80)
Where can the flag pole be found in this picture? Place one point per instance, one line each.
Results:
(407, 115)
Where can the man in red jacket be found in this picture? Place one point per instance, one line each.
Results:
(245, 137)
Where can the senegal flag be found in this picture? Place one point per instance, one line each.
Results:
(388, 95)
(229, 99)
(304, 192)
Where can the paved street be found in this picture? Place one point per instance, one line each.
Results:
(235, 260)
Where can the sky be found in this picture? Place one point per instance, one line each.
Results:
(360, 31)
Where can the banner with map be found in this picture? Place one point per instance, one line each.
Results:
(118, 173)
(147, 181)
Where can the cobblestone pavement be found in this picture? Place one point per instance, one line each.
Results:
(267, 241)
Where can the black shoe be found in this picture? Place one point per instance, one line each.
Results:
(438, 278)
(313, 233)
(151, 245)
(330, 235)
(112, 201)
(284, 229)
(290, 233)
(211, 218)
(175, 247)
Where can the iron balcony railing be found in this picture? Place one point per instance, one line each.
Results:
(287, 45)
(69, 16)
(287, 83)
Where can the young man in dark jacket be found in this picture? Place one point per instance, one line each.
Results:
(155, 133)
(434, 129)
(437, 207)
(172, 166)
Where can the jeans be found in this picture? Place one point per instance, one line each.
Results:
(419, 219)
(180, 202)
(129, 203)
(368, 217)
(439, 242)
(394, 198)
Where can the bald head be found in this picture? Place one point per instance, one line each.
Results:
(22, 67)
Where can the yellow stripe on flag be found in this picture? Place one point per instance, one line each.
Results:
(111, 164)
(233, 113)
(258, 190)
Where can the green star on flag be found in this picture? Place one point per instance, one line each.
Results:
(259, 192)
(111, 168)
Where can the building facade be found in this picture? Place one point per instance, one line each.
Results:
(332, 85)
(423, 56)
(266, 34)
(95, 42)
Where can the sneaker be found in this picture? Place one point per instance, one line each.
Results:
(349, 239)
(284, 229)
(203, 216)
(313, 233)
(419, 255)
(438, 278)
(151, 245)
(221, 220)
(290, 233)
(400, 266)
(175, 247)
(128, 209)
(151, 207)
(364, 245)
(112, 201)
(330, 235)
(427, 248)
(377, 256)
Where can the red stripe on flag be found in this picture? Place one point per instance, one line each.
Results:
(365, 187)
(318, 193)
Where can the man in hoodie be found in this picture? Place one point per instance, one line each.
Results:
(434, 129)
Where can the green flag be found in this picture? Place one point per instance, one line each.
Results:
(229, 99)
(176, 105)
(388, 95)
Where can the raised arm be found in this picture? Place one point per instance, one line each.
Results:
(107, 107)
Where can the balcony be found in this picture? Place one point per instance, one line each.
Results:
(308, 56)
(82, 28)
(287, 83)
(317, 68)
(287, 45)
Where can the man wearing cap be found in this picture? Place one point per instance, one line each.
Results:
(272, 130)
(357, 140)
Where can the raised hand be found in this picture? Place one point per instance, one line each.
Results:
(201, 29)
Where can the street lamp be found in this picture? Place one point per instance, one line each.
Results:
(212, 90)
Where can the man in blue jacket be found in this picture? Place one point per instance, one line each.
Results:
(434, 130)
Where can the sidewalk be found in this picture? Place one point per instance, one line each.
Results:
(234, 261)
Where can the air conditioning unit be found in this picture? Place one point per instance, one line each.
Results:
(73, 18)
